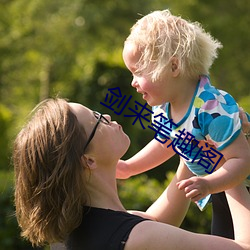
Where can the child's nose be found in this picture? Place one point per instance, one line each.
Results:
(134, 83)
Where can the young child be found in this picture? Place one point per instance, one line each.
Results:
(170, 59)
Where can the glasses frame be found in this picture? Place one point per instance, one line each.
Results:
(100, 118)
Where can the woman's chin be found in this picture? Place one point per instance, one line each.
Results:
(126, 146)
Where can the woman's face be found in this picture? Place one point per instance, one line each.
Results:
(109, 140)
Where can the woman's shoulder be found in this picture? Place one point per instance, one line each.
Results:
(110, 227)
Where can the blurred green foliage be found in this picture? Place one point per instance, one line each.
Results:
(72, 48)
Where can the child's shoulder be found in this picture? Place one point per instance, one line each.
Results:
(217, 114)
(210, 97)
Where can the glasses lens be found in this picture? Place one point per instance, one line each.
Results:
(105, 120)
(100, 117)
(97, 115)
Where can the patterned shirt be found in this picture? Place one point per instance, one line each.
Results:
(213, 117)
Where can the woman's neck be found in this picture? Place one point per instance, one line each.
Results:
(102, 189)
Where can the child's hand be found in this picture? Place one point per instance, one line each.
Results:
(122, 170)
(194, 187)
(245, 122)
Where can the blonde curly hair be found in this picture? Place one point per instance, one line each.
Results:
(49, 181)
(161, 36)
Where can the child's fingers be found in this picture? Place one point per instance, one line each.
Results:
(184, 183)
(244, 120)
(193, 194)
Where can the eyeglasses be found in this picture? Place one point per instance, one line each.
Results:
(100, 118)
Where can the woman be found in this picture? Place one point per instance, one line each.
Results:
(65, 188)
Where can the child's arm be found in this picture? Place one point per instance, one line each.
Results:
(233, 172)
(239, 203)
(152, 155)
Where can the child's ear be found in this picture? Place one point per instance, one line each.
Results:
(175, 66)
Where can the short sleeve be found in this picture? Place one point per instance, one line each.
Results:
(219, 119)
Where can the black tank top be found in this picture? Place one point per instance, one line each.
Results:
(102, 229)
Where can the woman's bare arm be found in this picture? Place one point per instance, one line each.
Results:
(160, 236)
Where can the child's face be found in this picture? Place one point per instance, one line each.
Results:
(152, 92)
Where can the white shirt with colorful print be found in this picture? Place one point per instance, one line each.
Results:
(212, 117)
